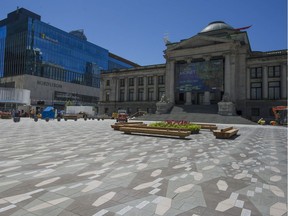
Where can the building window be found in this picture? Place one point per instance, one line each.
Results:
(131, 95)
(255, 112)
(122, 82)
(122, 95)
(161, 80)
(274, 90)
(150, 80)
(107, 96)
(256, 91)
(131, 81)
(150, 94)
(140, 94)
(256, 72)
(140, 81)
(107, 82)
(161, 91)
(274, 71)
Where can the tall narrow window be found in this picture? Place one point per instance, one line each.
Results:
(150, 94)
(131, 95)
(107, 96)
(140, 94)
(140, 81)
(122, 94)
(131, 81)
(274, 71)
(256, 72)
(161, 80)
(122, 82)
(150, 80)
(274, 90)
(161, 91)
(256, 91)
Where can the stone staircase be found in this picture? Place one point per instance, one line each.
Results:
(196, 113)
(212, 109)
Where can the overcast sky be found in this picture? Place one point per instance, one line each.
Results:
(134, 29)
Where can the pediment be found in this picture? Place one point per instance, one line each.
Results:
(197, 41)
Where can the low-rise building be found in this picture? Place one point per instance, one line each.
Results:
(213, 66)
(132, 89)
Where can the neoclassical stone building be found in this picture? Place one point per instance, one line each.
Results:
(213, 65)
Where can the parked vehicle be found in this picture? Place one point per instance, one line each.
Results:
(280, 113)
(122, 116)
(47, 114)
(75, 112)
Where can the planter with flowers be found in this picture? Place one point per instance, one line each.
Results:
(173, 124)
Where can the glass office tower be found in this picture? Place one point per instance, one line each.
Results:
(30, 46)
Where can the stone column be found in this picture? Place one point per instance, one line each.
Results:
(145, 88)
(188, 94)
(126, 90)
(188, 98)
(229, 85)
(284, 81)
(206, 99)
(227, 75)
(232, 77)
(170, 81)
(117, 89)
(155, 88)
(135, 89)
(265, 83)
(102, 83)
(248, 84)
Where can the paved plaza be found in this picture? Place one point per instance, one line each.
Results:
(85, 168)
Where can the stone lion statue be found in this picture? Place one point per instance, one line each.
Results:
(164, 99)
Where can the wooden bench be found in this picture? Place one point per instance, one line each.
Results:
(225, 133)
(152, 127)
(206, 126)
(148, 130)
(117, 125)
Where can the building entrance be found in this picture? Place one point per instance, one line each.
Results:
(198, 97)
(181, 98)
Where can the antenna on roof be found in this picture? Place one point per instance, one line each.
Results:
(166, 38)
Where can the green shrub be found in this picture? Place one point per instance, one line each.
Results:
(177, 124)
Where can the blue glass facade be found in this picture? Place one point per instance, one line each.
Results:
(60, 55)
(30, 46)
(116, 64)
(2, 48)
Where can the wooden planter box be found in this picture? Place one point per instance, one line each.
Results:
(149, 130)
(117, 125)
(225, 133)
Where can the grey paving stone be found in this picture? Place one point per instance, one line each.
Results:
(86, 160)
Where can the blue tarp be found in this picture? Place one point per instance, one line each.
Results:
(48, 112)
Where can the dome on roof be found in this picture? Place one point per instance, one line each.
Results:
(217, 25)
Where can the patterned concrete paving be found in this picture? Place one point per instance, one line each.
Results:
(86, 168)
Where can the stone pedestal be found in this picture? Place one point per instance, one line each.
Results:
(226, 108)
(163, 107)
(188, 98)
(206, 99)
